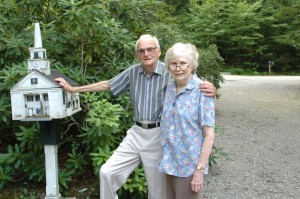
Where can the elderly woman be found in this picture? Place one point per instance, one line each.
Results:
(187, 125)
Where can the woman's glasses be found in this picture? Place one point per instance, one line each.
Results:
(182, 66)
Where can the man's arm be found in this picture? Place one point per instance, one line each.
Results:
(96, 87)
(208, 89)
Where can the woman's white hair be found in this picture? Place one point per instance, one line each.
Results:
(183, 50)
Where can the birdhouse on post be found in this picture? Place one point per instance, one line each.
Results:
(38, 97)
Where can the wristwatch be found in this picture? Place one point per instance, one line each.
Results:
(200, 168)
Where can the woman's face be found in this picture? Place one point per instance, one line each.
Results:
(181, 69)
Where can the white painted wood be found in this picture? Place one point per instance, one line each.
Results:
(37, 36)
(52, 185)
(35, 110)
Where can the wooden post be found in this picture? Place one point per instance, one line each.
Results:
(50, 137)
(271, 63)
(52, 185)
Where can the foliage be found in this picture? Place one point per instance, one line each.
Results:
(100, 157)
(28, 137)
(136, 185)
(283, 35)
(76, 162)
(217, 152)
(231, 24)
(26, 194)
(15, 156)
(5, 111)
(5, 175)
(248, 34)
(103, 121)
(27, 155)
(9, 75)
(64, 178)
(210, 66)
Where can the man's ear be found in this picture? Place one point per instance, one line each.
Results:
(159, 52)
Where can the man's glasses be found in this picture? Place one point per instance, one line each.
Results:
(181, 65)
(150, 50)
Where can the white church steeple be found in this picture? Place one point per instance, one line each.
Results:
(37, 36)
(38, 57)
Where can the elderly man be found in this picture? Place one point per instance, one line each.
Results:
(146, 83)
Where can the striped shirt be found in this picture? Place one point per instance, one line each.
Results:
(146, 92)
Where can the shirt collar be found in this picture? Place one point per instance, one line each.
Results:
(158, 68)
(190, 85)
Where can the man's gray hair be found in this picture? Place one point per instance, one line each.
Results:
(147, 37)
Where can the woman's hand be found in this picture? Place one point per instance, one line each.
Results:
(197, 181)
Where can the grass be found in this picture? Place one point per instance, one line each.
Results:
(253, 71)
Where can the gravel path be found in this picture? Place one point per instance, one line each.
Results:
(260, 117)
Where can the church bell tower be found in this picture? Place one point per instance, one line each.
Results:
(38, 57)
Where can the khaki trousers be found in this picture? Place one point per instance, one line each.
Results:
(139, 146)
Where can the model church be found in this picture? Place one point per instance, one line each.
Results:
(37, 97)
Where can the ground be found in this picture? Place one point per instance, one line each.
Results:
(260, 117)
(84, 188)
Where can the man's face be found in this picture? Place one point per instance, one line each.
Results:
(147, 53)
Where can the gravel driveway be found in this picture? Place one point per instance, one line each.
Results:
(260, 117)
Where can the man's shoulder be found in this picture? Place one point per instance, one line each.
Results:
(134, 66)
(161, 65)
(162, 69)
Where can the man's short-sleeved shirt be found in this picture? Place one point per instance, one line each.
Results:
(183, 116)
(146, 92)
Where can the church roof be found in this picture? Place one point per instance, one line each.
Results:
(55, 74)
(51, 78)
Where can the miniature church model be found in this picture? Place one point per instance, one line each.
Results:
(37, 96)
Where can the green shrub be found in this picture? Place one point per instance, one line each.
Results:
(210, 65)
(5, 174)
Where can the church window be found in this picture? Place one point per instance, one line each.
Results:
(36, 55)
(34, 81)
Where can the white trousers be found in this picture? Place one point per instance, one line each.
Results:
(139, 146)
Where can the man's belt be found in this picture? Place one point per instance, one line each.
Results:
(148, 126)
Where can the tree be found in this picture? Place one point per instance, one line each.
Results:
(232, 25)
(284, 34)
